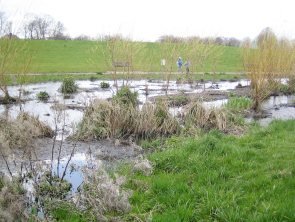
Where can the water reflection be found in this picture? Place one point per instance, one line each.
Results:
(90, 90)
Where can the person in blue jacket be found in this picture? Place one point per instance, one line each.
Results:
(186, 65)
(179, 64)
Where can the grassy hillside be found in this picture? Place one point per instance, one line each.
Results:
(73, 56)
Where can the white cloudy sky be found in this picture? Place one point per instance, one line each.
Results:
(148, 20)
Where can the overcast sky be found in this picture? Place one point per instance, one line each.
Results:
(148, 20)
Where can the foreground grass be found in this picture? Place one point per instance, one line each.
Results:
(221, 178)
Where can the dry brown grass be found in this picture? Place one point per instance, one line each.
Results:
(112, 119)
(195, 113)
(19, 136)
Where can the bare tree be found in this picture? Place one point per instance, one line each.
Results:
(170, 52)
(266, 63)
(58, 29)
(170, 38)
(215, 56)
(192, 39)
(82, 38)
(118, 55)
(16, 57)
(266, 34)
(245, 40)
(43, 25)
(38, 27)
(218, 41)
(5, 24)
(57, 32)
(233, 42)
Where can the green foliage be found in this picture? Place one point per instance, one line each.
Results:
(104, 85)
(69, 85)
(125, 96)
(231, 94)
(43, 95)
(54, 187)
(239, 103)
(65, 212)
(1, 182)
(222, 178)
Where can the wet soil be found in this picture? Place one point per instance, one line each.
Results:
(106, 150)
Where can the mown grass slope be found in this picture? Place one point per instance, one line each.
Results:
(57, 56)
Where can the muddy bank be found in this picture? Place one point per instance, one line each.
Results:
(107, 150)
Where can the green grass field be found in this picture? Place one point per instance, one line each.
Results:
(221, 178)
(73, 57)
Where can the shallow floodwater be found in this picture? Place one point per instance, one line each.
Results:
(91, 90)
(281, 107)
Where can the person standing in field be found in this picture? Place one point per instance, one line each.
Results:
(179, 63)
(186, 65)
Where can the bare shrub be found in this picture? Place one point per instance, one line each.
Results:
(266, 63)
(101, 194)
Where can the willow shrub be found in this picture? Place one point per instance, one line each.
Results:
(266, 63)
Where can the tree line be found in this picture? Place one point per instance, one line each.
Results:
(45, 27)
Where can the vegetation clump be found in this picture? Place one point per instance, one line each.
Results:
(43, 96)
(69, 85)
(125, 96)
(239, 102)
(104, 85)
(113, 119)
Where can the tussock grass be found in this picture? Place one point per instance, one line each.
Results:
(122, 116)
(196, 114)
(114, 119)
(222, 178)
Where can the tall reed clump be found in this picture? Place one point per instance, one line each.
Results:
(196, 114)
(266, 63)
(116, 118)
